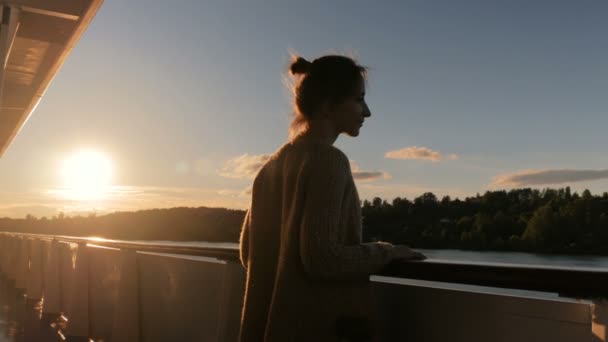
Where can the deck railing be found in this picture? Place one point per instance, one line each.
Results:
(88, 288)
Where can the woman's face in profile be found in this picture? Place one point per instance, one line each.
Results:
(349, 115)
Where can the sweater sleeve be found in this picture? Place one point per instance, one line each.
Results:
(321, 252)
(244, 240)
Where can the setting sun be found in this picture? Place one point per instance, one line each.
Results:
(86, 175)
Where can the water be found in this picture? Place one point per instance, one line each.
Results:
(517, 258)
(593, 262)
(586, 262)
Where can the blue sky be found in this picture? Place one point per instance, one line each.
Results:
(476, 95)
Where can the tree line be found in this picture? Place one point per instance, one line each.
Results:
(177, 224)
(546, 221)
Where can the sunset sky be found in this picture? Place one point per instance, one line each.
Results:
(185, 99)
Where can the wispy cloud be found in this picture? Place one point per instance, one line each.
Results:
(545, 177)
(360, 175)
(19, 204)
(421, 153)
(244, 166)
(49, 202)
(236, 193)
(369, 175)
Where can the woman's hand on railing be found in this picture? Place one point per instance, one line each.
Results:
(402, 252)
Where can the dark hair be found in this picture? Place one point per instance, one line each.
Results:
(326, 80)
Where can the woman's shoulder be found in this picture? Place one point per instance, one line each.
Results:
(317, 150)
(326, 159)
(268, 160)
(335, 154)
(272, 160)
(307, 156)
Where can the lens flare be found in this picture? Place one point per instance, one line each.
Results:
(87, 175)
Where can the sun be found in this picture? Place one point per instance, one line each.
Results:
(87, 175)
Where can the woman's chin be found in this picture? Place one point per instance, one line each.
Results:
(354, 132)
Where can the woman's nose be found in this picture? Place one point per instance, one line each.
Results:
(366, 112)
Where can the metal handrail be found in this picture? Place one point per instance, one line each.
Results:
(222, 253)
(566, 281)
(580, 283)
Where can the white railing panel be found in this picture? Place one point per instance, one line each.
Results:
(233, 285)
(424, 313)
(179, 297)
(104, 281)
(67, 266)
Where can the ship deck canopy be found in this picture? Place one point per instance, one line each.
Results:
(36, 36)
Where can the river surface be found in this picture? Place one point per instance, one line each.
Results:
(517, 258)
(579, 262)
(461, 256)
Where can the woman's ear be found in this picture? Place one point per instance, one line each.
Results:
(326, 110)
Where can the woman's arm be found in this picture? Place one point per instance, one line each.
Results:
(320, 250)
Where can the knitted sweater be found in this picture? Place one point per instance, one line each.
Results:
(301, 245)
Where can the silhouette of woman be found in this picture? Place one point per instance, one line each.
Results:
(307, 269)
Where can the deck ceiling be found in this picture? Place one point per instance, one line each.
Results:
(36, 36)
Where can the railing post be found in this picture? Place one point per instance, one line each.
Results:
(52, 283)
(5, 255)
(599, 320)
(78, 320)
(23, 261)
(12, 258)
(34, 279)
(126, 324)
(51, 290)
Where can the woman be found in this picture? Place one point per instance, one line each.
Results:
(307, 270)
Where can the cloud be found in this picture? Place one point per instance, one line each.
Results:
(49, 202)
(247, 166)
(367, 175)
(244, 166)
(544, 177)
(236, 193)
(414, 152)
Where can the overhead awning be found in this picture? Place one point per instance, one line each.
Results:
(36, 36)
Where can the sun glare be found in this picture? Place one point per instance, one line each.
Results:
(87, 175)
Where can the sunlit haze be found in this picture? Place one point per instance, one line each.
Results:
(179, 103)
(87, 175)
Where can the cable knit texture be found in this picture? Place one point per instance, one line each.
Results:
(301, 245)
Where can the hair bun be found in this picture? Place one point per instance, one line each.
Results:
(300, 66)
